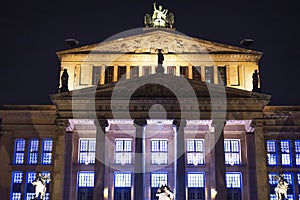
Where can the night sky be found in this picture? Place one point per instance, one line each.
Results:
(33, 31)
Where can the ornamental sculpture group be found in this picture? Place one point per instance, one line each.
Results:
(40, 186)
(160, 18)
(281, 188)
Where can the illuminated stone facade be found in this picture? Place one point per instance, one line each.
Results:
(230, 145)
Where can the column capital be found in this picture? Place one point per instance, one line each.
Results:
(218, 123)
(179, 123)
(102, 122)
(258, 123)
(139, 122)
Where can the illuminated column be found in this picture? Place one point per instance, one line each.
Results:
(180, 163)
(217, 160)
(190, 72)
(115, 77)
(102, 79)
(59, 156)
(261, 160)
(127, 71)
(139, 189)
(98, 194)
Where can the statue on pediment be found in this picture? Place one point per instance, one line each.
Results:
(160, 18)
(64, 81)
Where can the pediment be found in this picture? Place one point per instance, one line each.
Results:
(150, 39)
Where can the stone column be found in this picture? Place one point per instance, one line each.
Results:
(217, 160)
(139, 187)
(251, 166)
(57, 188)
(100, 159)
(261, 160)
(68, 165)
(180, 162)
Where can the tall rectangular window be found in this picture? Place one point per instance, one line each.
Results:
(234, 185)
(29, 188)
(16, 184)
(232, 152)
(222, 76)
(209, 74)
(96, 75)
(146, 70)
(273, 183)
(159, 152)
(122, 179)
(47, 151)
(195, 152)
(19, 151)
(33, 151)
(171, 70)
(87, 149)
(85, 185)
(184, 71)
(123, 148)
(272, 152)
(298, 178)
(121, 72)
(197, 73)
(134, 71)
(285, 148)
(109, 74)
(297, 152)
(195, 180)
(157, 178)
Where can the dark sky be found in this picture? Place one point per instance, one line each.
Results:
(33, 31)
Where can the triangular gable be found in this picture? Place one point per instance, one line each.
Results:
(149, 39)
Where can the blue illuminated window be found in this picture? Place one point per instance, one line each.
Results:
(195, 180)
(285, 147)
(233, 180)
(29, 192)
(297, 151)
(272, 152)
(159, 152)
(47, 152)
(195, 152)
(19, 151)
(16, 184)
(123, 148)
(232, 152)
(157, 178)
(122, 179)
(298, 177)
(33, 151)
(86, 179)
(87, 149)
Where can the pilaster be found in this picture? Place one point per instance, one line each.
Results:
(57, 188)
(139, 187)
(98, 193)
(261, 160)
(217, 160)
(180, 162)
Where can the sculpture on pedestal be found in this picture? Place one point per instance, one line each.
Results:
(64, 81)
(255, 80)
(160, 60)
(160, 18)
(281, 188)
(40, 186)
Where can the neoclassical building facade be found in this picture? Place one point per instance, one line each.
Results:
(122, 127)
